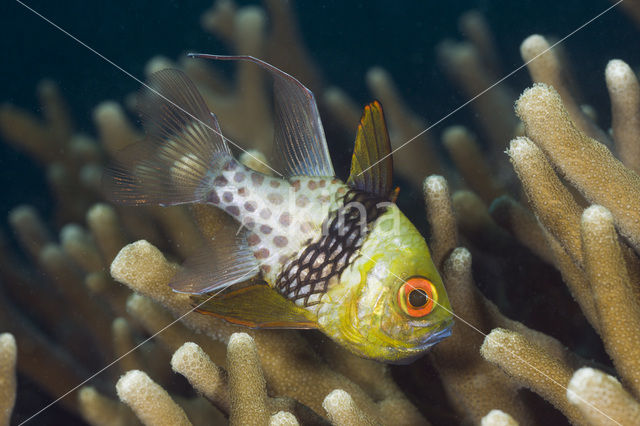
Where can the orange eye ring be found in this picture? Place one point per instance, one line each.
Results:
(417, 296)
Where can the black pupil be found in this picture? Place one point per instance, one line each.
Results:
(418, 298)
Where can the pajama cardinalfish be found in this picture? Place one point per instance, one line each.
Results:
(311, 251)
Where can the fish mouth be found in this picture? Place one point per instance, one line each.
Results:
(436, 337)
(419, 351)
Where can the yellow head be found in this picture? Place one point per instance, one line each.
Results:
(390, 304)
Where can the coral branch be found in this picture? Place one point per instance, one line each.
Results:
(522, 224)
(617, 303)
(98, 410)
(601, 399)
(579, 157)
(283, 418)
(468, 158)
(30, 230)
(457, 358)
(532, 366)
(624, 92)
(418, 158)
(8, 355)
(545, 67)
(462, 63)
(444, 235)
(552, 203)
(498, 418)
(114, 130)
(149, 401)
(343, 411)
(107, 231)
(172, 335)
(247, 385)
(207, 378)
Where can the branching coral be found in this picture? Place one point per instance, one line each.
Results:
(578, 224)
(143, 267)
(601, 398)
(8, 354)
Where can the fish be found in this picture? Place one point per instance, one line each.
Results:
(311, 251)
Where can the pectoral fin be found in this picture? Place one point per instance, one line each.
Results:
(220, 263)
(256, 306)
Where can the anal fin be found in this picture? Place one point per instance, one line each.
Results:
(255, 306)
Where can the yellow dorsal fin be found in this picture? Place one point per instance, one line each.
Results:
(372, 165)
(256, 306)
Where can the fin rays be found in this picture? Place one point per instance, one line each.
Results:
(371, 165)
(181, 152)
(298, 131)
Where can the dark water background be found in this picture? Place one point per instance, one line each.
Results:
(345, 38)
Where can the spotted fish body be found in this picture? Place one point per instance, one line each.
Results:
(282, 217)
(333, 255)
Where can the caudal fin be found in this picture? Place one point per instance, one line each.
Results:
(181, 154)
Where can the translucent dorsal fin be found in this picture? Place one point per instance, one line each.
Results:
(298, 132)
(183, 147)
(372, 164)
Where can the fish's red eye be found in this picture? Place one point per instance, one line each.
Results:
(417, 296)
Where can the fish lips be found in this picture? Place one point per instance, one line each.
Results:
(419, 351)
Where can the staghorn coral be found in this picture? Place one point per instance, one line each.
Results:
(598, 396)
(143, 267)
(517, 244)
(8, 355)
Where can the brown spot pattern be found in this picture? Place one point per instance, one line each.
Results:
(250, 206)
(312, 184)
(263, 253)
(227, 197)
(275, 198)
(234, 210)
(265, 213)
(274, 183)
(280, 241)
(257, 179)
(253, 239)
(266, 229)
(285, 219)
(302, 201)
(220, 181)
(213, 198)
(238, 177)
(242, 191)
